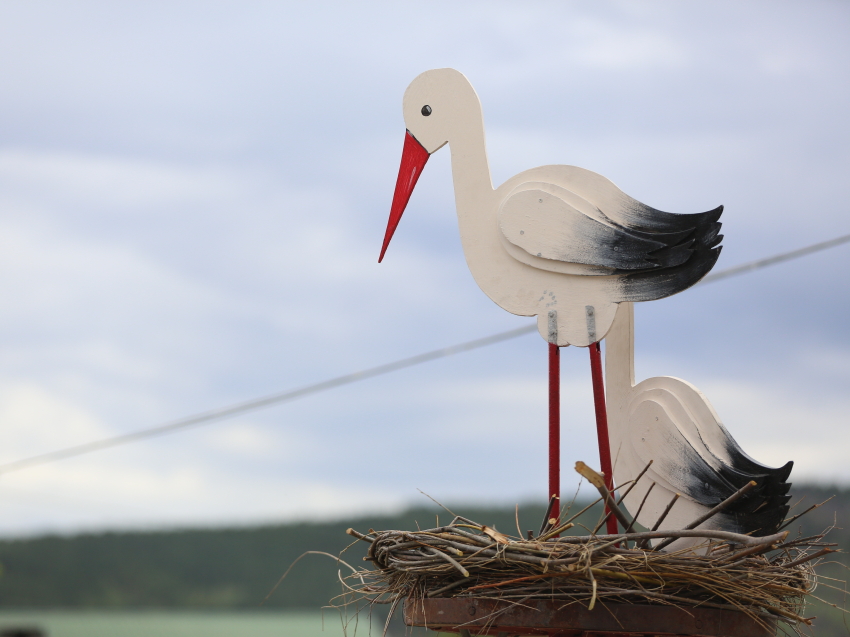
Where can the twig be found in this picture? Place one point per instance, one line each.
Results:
(359, 536)
(450, 560)
(548, 520)
(446, 588)
(807, 558)
(752, 550)
(799, 515)
(298, 559)
(634, 482)
(516, 517)
(439, 504)
(585, 509)
(555, 531)
(599, 482)
(660, 519)
(732, 498)
(640, 508)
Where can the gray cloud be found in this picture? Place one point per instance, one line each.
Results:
(192, 199)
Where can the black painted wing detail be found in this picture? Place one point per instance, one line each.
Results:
(702, 240)
(555, 223)
(761, 511)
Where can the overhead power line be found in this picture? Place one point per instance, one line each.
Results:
(258, 403)
(779, 258)
(294, 394)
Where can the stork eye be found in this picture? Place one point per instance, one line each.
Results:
(426, 110)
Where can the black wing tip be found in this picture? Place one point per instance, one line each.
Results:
(648, 219)
(682, 239)
(760, 511)
(782, 473)
(748, 468)
(708, 218)
(715, 242)
(763, 511)
(660, 282)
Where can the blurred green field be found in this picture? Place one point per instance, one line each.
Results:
(186, 624)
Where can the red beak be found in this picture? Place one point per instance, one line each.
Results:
(413, 160)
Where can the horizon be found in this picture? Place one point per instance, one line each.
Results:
(584, 497)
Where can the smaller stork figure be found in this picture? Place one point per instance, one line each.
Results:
(670, 422)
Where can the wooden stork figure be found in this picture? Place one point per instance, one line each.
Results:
(566, 245)
(669, 421)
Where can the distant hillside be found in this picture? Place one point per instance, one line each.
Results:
(236, 568)
(202, 568)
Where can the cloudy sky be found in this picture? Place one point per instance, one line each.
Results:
(193, 196)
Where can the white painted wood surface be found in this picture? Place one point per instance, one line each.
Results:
(557, 242)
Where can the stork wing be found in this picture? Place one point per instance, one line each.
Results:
(554, 223)
(661, 426)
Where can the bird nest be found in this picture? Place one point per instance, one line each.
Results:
(768, 578)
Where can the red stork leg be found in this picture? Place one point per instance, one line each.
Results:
(602, 427)
(554, 431)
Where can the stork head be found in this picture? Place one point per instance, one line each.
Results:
(431, 107)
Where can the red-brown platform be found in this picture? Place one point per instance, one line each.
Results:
(551, 617)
